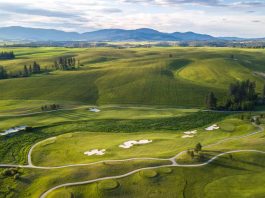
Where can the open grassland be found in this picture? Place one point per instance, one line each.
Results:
(137, 91)
(70, 148)
(55, 123)
(78, 113)
(155, 76)
(165, 131)
(34, 182)
(242, 176)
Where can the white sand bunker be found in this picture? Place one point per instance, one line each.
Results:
(187, 136)
(213, 127)
(95, 152)
(190, 132)
(14, 130)
(93, 109)
(131, 143)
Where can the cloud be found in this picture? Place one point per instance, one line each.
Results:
(217, 17)
(28, 10)
(216, 3)
(111, 10)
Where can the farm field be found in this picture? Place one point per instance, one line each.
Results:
(154, 97)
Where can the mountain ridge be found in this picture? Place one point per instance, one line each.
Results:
(141, 34)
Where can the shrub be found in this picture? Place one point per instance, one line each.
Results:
(16, 176)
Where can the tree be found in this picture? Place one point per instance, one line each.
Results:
(7, 55)
(241, 96)
(3, 73)
(211, 101)
(198, 147)
(26, 71)
(36, 68)
(191, 153)
(30, 69)
(257, 121)
(263, 94)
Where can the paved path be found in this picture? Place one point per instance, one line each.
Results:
(172, 160)
(141, 169)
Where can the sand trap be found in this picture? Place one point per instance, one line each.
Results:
(95, 152)
(14, 130)
(190, 132)
(131, 143)
(213, 127)
(187, 136)
(93, 109)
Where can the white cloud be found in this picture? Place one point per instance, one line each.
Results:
(222, 18)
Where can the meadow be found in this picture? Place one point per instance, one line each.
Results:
(142, 93)
(179, 77)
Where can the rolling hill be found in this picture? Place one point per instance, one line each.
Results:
(143, 34)
(156, 76)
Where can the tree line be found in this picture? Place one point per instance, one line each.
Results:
(7, 55)
(65, 63)
(50, 107)
(27, 71)
(241, 96)
(31, 69)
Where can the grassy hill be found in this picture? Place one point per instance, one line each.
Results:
(155, 76)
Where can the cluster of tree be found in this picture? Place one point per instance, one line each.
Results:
(196, 150)
(50, 107)
(65, 63)
(9, 172)
(3, 73)
(26, 72)
(7, 55)
(32, 69)
(242, 96)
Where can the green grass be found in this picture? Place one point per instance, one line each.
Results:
(108, 185)
(46, 127)
(225, 177)
(149, 85)
(70, 148)
(161, 181)
(133, 76)
(234, 175)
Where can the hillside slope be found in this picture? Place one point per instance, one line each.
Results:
(156, 76)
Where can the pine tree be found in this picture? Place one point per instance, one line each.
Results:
(211, 101)
(263, 94)
(26, 71)
(3, 73)
(198, 147)
(36, 68)
(30, 69)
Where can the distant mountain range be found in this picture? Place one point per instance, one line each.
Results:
(144, 34)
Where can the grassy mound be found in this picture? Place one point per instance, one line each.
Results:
(166, 170)
(108, 184)
(229, 127)
(148, 173)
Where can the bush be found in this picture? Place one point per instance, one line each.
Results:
(257, 121)
(16, 176)
(10, 172)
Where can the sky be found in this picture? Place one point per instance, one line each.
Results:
(241, 18)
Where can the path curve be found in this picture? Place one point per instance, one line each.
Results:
(147, 168)
(172, 159)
